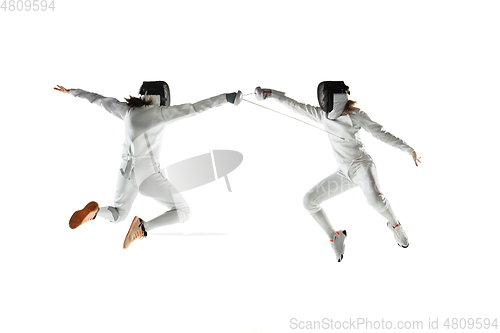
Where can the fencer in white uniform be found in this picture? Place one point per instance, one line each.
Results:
(355, 166)
(140, 170)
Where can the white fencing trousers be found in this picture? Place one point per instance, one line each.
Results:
(362, 173)
(155, 186)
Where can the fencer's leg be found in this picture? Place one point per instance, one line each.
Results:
(159, 188)
(172, 216)
(125, 194)
(389, 215)
(329, 187)
(367, 179)
(322, 219)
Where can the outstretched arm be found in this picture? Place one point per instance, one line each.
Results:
(380, 133)
(312, 112)
(177, 111)
(112, 105)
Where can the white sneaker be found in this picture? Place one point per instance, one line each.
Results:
(338, 244)
(399, 234)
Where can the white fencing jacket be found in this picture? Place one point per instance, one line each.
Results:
(144, 129)
(347, 147)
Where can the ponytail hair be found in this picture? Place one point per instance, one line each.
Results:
(137, 102)
(349, 107)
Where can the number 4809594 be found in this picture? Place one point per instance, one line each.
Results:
(27, 5)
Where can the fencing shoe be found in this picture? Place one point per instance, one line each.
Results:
(338, 244)
(399, 234)
(136, 231)
(89, 212)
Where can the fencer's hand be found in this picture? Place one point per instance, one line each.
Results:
(267, 93)
(415, 158)
(62, 89)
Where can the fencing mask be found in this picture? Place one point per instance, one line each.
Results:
(158, 91)
(332, 98)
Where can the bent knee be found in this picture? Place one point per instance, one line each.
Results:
(310, 203)
(377, 201)
(184, 214)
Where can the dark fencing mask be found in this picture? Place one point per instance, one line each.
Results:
(158, 91)
(333, 97)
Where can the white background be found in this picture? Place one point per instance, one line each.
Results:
(252, 259)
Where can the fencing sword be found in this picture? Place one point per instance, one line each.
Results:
(284, 114)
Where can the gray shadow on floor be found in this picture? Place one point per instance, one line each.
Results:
(174, 234)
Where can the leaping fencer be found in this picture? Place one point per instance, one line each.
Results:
(343, 121)
(144, 119)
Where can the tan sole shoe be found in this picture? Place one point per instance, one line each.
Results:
(136, 231)
(86, 214)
